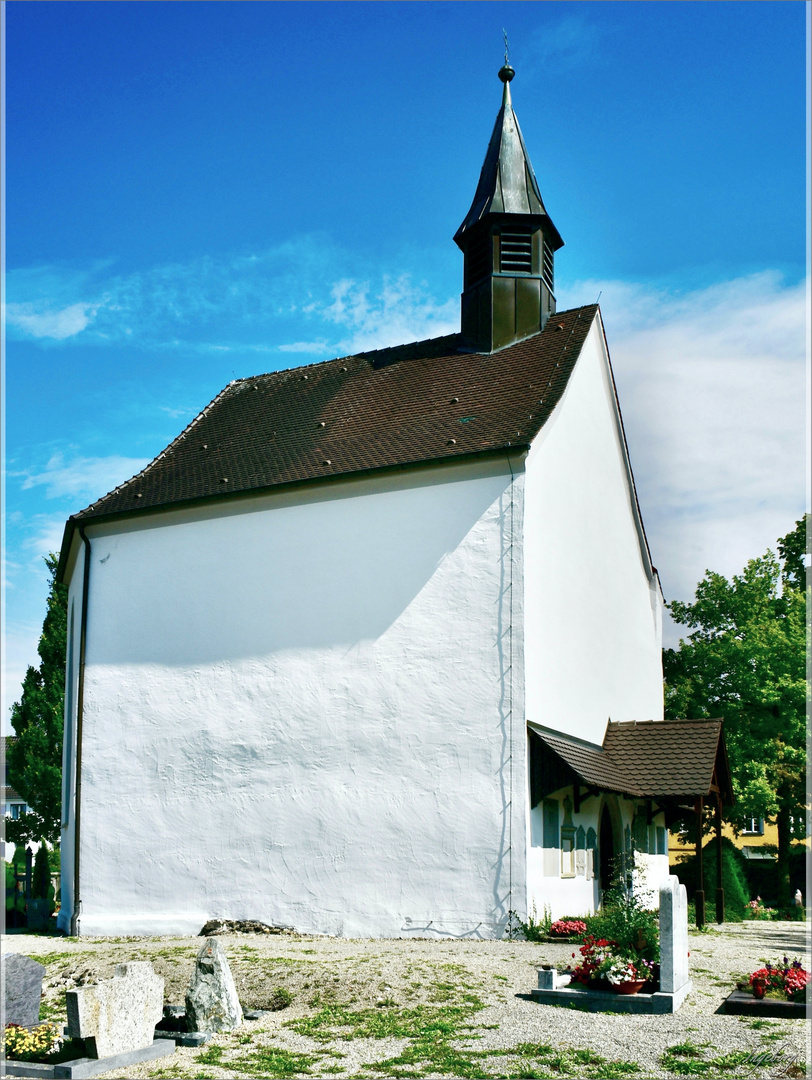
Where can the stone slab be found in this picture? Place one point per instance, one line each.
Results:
(117, 1015)
(608, 1001)
(184, 1038)
(740, 1003)
(22, 989)
(79, 1068)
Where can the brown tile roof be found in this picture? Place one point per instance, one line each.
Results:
(650, 759)
(670, 757)
(427, 401)
(591, 762)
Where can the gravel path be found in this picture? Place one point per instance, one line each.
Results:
(385, 977)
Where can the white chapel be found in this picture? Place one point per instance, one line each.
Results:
(373, 648)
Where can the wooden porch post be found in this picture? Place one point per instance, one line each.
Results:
(720, 892)
(699, 898)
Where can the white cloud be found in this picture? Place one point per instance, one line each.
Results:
(395, 312)
(83, 477)
(46, 538)
(712, 388)
(256, 297)
(315, 348)
(49, 323)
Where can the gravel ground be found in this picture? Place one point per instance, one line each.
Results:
(384, 979)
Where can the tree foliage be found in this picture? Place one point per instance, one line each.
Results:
(745, 661)
(35, 758)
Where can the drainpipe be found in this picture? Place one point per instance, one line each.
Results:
(80, 701)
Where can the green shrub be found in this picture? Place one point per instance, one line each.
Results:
(734, 879)
(534, 929)
(15, 901)
(279, 998)
(41, 888)
(624, 920)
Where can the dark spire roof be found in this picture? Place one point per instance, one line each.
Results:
(507, 183)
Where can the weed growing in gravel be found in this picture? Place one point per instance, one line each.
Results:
(271, 1061)
(687, 1059)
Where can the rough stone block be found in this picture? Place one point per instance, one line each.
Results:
(118, 1014)
(22, 989)
(212, 1003)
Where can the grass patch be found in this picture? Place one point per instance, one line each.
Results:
(271, 1061)
(686, 1059)
(212, 1056)
(336, 1021)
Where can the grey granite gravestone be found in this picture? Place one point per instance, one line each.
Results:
(22, 989)
(212, 1003)
(118, 1014)
(674, 977)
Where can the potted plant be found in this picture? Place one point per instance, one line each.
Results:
(625, 976)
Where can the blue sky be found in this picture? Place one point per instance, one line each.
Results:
(197, 192)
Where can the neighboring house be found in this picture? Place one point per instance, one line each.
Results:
(13, 804)
(344, 656)
(757, 840)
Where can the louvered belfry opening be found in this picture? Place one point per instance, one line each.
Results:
(508, 291)
(508, 241)
(515, 251)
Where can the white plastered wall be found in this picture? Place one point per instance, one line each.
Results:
(300, 709)
(593, 607)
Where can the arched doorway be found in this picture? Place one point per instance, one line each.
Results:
(606, 849)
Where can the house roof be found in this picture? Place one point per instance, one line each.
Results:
(683, 759)
(423, 402)
(507, 183)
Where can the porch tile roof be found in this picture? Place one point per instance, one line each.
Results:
(648, 759)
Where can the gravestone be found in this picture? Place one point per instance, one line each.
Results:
(212, 1003)
(22, 989)
(118, 1014)
(673, 936)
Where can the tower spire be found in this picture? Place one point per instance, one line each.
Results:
(508, 241)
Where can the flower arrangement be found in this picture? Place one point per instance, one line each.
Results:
(622, 970)
(595, 952)
(22, 1044)
(605, 961)
(757, 910)
(789, 979)
(568, 928)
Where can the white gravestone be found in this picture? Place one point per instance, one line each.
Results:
(118, 1014)
(673, 936)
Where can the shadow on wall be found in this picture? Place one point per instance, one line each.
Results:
(304, 574)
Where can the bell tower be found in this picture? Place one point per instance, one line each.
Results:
(508, 241)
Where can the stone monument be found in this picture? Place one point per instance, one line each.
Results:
(22, 989)
(674, 977)
(212, 1003)
(118, 1014)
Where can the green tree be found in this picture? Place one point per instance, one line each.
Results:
(35, 758)
(745, 661)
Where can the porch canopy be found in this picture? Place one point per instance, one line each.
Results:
(674, 763)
